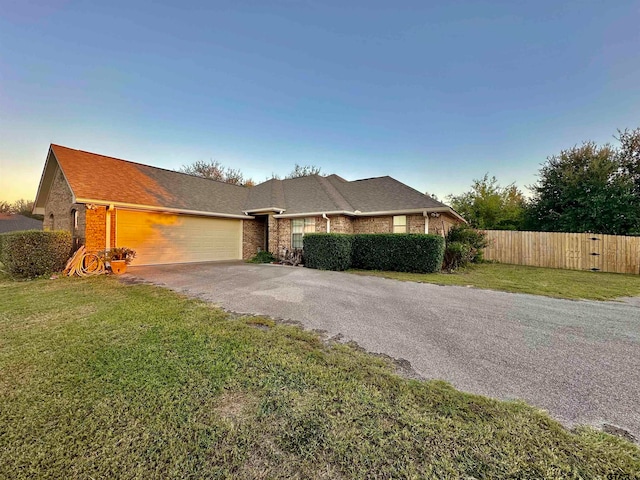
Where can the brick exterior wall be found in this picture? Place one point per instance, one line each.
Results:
(341, 224)
(272, 225)
(284, 234)
(280, 228)
(59, 207)
(415, 223)
(96, 229)
(441, 224)
(252, 237)
(321, 225)
(372, 224)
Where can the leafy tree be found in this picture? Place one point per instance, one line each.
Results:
(304, 171)
(586, 188)
(629, 156)
(216, 171)
(489, 206)
(21, 207)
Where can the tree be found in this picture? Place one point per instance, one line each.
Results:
(304, 171)
(214, 170)
(586, 188)
(629, 156)
(489, 206)
(20, 207)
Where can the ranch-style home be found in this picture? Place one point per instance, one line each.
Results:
(172, 217)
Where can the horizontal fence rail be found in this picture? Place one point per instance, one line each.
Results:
(573, 251)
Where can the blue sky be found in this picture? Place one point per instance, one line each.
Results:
(434, 94)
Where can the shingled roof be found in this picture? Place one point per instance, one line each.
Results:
(95, 178)
(14, 222)
(314, 194)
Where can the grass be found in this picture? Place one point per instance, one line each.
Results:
(103, 380)
(550, 282)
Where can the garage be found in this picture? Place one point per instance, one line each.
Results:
(161, 238)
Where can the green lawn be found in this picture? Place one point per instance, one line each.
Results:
(534, 280)
(103, 380)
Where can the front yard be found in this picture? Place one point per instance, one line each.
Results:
(572, 284)
(103, 380)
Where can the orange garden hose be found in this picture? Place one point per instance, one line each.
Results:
(84, 264)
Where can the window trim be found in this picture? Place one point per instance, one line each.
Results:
(394, 225)
(74, 220)
(308, 226)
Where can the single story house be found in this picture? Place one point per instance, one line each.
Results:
(10, 222)
(172, 217)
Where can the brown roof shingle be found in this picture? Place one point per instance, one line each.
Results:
(98, 178)
(101, 178)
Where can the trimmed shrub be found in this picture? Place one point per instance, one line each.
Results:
(327, 251)
(31, 253)
(464, 246)
(418, 253)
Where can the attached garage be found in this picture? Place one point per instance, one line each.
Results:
(161, 238)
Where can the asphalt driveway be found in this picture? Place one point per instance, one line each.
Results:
(579, 360)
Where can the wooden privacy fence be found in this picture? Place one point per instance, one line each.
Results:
(574, 251)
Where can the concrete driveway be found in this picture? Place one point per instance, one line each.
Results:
(579, 360)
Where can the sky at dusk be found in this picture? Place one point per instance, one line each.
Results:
(434, 94)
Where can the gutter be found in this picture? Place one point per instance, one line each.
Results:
(315, 214)
(358, 213)
(133, 206)
(262, 210)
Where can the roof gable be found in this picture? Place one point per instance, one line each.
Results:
(95, 178)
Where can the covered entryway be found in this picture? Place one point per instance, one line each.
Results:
(161, 238)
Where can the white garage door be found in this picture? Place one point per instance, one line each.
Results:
(161, 238)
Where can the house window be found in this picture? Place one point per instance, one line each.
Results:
(52, 223)
(400, 224)
(74, 220)
(300, 226)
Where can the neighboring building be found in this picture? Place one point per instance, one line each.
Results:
(172, 217)
(13, 223)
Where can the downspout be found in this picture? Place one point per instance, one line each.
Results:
(107, 241)
(426, 221)
(324, 215)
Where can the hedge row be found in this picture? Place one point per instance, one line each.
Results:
(327, 251)
(386, 251)
(31, 253)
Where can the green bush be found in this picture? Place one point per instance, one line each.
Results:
(464, 245)
(35, 252)
(418, 253)
(327, 251)
(262, 257)
(457, 255)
